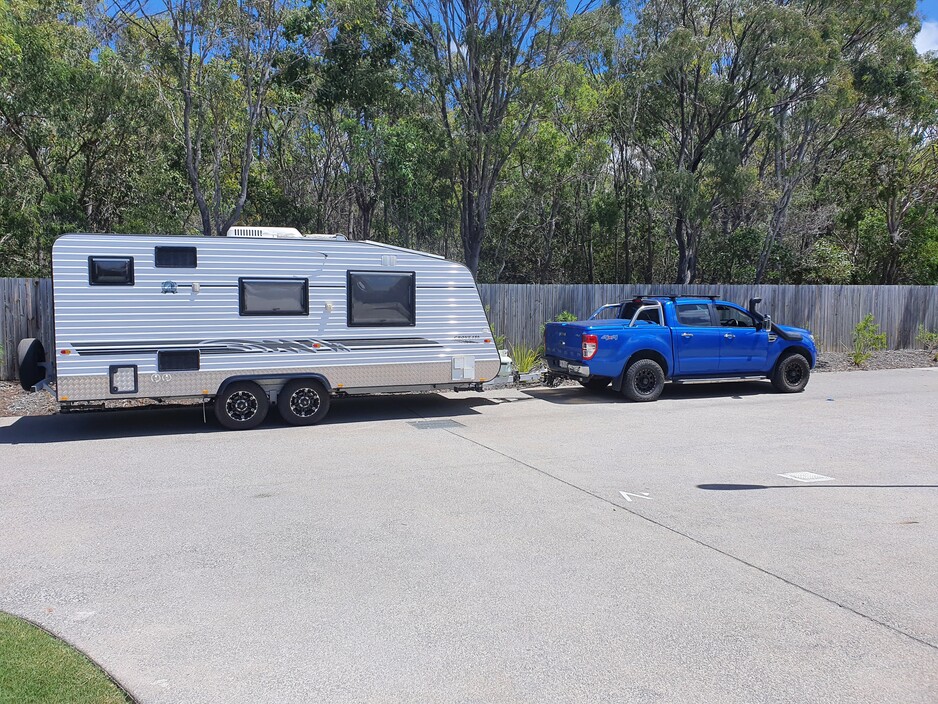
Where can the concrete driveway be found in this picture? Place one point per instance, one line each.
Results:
(478, 548)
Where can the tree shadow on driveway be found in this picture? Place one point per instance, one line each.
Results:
(752, 487)
(151, 421)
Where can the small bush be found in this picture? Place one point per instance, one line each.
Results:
(867, 338)
(563, 317)
(928, 340)
(525, 358)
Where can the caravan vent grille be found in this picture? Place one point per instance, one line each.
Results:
(290, 233)
(264, 232)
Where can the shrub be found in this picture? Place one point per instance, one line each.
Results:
(565, 317)
(867, 337)
(525, 358)
(927, 339)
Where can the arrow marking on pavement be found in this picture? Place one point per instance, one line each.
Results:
(627, 496)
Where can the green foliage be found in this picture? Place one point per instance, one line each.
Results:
(746, 142)
(525, 358)
(927, 338)
(867, 338)
(565, 317)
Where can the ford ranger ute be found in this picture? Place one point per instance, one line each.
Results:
(655, 339)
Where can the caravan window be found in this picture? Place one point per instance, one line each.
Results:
(111, 271)
(382, 298)
(175, 258)
(274, 296)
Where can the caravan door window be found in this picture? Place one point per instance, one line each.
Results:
(273, 296)
(382, 298)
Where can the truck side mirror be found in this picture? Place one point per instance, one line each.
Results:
(766, 323)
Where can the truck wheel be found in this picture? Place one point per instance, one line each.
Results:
(791, 374)
(30, 354)
(303, 402)
(644, 381)
(595, 383)
(242, 406)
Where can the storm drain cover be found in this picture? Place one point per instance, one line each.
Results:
(807, 477)
(436, 424)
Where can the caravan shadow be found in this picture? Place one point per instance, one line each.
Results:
(151, 421)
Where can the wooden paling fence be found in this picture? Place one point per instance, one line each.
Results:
(517, 311)
(25, 311)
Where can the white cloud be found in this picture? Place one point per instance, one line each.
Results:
(927, 39)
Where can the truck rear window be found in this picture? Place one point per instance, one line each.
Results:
(695, 314)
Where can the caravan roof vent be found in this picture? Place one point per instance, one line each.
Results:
(264, 232)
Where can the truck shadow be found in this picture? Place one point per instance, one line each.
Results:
(156, 420)
(577, 395)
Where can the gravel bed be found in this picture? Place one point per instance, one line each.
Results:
(886, 359)
(16, 402)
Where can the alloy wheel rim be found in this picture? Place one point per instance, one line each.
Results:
(241, 406)
(793, 373)
(305, 402)
(645, 382)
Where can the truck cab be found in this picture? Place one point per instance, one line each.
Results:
(642, 343)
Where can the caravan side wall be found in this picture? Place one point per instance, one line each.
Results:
(110, 336)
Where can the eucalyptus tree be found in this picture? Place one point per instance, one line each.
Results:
(214, 61)
(75, 125)
(479, 56)
(704, 70)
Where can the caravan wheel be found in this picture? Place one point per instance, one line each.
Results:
(242, 406)
(303, 402)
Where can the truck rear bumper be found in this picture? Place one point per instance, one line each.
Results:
(565, 368)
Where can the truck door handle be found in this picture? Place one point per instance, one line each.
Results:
(687, 334)
(730, 336)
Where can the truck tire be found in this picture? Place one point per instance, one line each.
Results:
(644, 381)
(597, 383)
(242, 406)
(791, 374)
(303, 402)
(30, 354)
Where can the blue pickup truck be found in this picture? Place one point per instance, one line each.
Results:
(654, 339)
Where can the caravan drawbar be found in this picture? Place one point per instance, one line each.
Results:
(263, 316)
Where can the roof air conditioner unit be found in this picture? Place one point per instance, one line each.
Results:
(264, 232)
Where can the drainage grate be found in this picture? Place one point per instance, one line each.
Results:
(435, 424)
(807, 477)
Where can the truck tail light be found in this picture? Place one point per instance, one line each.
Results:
(590, 345)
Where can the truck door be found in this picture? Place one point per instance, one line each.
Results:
(743, 348)
(697, 340)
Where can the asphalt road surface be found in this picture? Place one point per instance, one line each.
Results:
(480, 548)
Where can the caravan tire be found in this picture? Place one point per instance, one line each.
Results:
(242, 406)
(303, 402)
(30, 354)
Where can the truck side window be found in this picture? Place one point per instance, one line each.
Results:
(734, 317)
(695, 314)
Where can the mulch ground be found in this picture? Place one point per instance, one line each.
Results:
(16, 402)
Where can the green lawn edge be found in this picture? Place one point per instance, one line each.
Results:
(38, 668)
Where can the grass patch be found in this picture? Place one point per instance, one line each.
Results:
(37, 668)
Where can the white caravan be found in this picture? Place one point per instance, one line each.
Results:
(264, 315)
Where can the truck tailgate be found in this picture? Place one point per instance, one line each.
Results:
(564, 340)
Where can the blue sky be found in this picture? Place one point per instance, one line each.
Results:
(927, 39)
